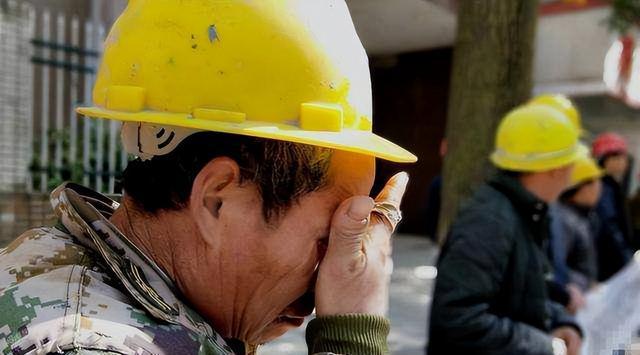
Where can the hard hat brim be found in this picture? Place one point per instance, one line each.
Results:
(596, 175)
(350, 140)
(536, 165)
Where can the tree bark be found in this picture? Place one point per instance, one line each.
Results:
(492, 73)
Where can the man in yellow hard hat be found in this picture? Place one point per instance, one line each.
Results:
(247, 205)
(490, 295)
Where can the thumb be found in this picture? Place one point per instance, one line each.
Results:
(349, 225)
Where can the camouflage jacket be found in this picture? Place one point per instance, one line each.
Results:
(83, 288)
(83, 285)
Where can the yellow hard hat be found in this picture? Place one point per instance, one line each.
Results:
(292, 70)
(564, 105)
(585, 168)
(535, 138)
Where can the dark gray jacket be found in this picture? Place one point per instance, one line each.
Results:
(573, 245)
(490, 295)
(614, 239)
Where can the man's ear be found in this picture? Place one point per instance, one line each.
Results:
(209, 191)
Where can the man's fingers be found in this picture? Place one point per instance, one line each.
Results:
(389, 200)
(394, 189)
(351, 220)
(350, 223)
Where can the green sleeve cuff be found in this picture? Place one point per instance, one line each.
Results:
(350, 334)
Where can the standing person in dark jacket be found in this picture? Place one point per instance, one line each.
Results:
(490, 295)
(572, 243)
(614, 239)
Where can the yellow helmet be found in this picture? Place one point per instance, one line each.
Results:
(292, 70)
(535, 138)
(564, 105)
(585, 168)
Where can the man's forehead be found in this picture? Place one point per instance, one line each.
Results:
(352, 173)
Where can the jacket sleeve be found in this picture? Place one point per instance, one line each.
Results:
(583, 270)
(352, 334)
(569, 243)
(470, 272)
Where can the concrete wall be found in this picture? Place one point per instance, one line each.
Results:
(402, 26)
(22, 211)
(570, 51)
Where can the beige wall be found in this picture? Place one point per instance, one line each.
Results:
(570, 52)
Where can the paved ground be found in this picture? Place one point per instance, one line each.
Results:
(411, 285)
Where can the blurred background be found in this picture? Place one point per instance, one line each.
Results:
(49, 52)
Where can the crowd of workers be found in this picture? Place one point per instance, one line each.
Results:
(550, 226)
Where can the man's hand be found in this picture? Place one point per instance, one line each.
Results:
(576, 299)
(571, 338)
(355, 272)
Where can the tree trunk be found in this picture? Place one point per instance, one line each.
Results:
(492, 73)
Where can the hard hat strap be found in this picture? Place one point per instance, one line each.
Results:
(146, 140)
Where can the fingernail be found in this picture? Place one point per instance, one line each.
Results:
(403, 177)
(360, 209)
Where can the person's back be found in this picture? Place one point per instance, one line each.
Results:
(491, 295)
(502, 267)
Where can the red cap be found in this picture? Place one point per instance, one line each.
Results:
(609, 143)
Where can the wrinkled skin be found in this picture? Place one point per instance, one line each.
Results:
(254, 279)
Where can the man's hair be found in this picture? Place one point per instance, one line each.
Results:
(282, 171)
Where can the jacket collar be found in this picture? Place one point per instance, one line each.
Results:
(532, 209)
